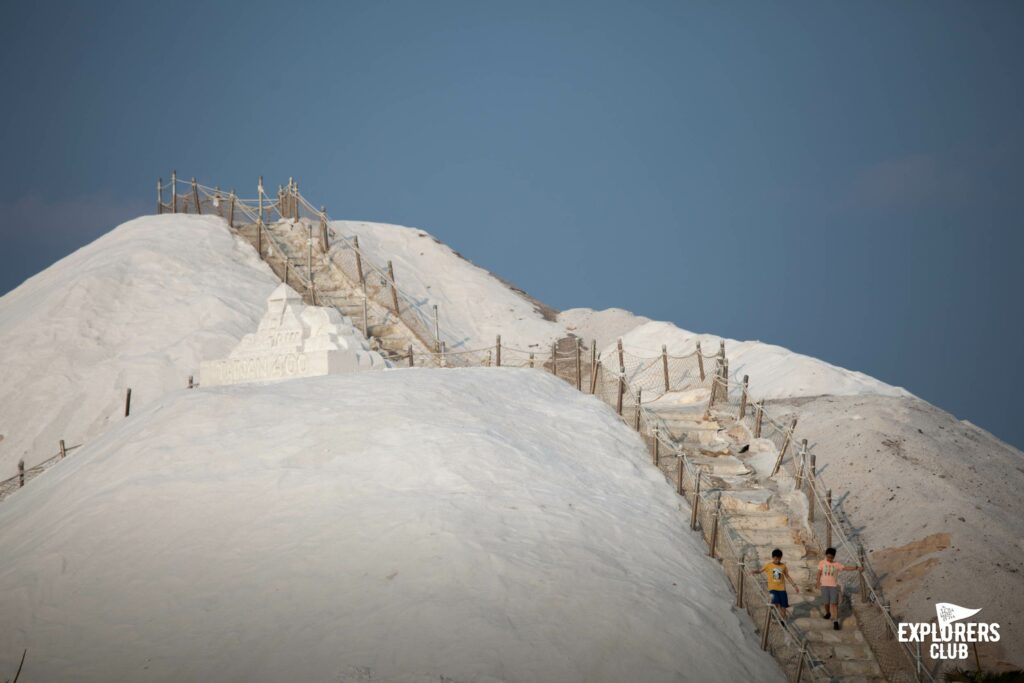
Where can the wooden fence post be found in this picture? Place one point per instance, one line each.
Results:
(828, 518)
(531, 359)
(231, 209)
(216, 200)
(444, 358)
(411, 363)
(295, 200)
(767, 625)
(743, 396)
(554, 359)
(802, 468)
(174, 192)
(725, 380)
(696, 501)
(309, 254)
(128, 402)
(680, 473)
(713, 541)
(741, 577)
(191, 382)
(800, 664)
(593, 366)
(159, 196)
(622, 379)
(359, 261)
(785, 447)
(259, 218)
(287, 261)
(63, 450)
(195, 197)
(758, 418)
(579, 366)
(664, 365)
(497, 351)
(21, 473)
(700, 361)
(864, 597)
(636, 412)
(394, 287)
(657, 446)
(811, 484)
(437, 332)
(325, 243)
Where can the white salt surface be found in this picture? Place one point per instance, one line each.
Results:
(775, 372)
(410, 525)
(140, 307)
(475, 306)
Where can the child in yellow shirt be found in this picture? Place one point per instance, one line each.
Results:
(777, 575)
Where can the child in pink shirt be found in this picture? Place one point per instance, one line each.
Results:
(828, 571)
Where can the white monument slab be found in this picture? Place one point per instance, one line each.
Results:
(293, 340)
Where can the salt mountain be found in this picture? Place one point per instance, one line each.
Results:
(408, 525)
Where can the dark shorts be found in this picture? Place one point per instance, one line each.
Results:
(780, 598)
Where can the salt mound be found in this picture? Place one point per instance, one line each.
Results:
(408, 525)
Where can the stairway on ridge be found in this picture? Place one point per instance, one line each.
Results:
(757, 520)
(384, 330)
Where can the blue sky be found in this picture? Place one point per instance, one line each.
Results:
(839, 178)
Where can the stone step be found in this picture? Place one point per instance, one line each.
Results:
(758, 520)
(866, 667)
(744, 501)
(776, 538)
(727, 465)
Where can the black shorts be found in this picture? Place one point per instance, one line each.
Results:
(780, 598)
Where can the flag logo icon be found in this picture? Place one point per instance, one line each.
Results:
(947, 613)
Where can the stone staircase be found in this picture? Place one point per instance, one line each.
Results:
(385, 331)
(756, 519)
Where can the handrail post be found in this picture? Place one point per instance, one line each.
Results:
(195, 197)
(359, 261)
(159, 196)
(394, 288)
(864, 597)
(657, 445)
(174, 192)
(259, 218)
(579, 366)
(231, 209)
(743, 397)
(785, 447)
(696, 501)
(700, 361)
(497, 351)
(758, 418)
(437, 332)
(828, 518)
(767, 626)
(664, 365)
(713, 541)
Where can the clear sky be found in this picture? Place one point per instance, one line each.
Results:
(843, 179)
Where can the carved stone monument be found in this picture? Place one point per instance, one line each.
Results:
(293, 340)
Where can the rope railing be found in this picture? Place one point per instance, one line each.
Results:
(624, 380)
(825, 530)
